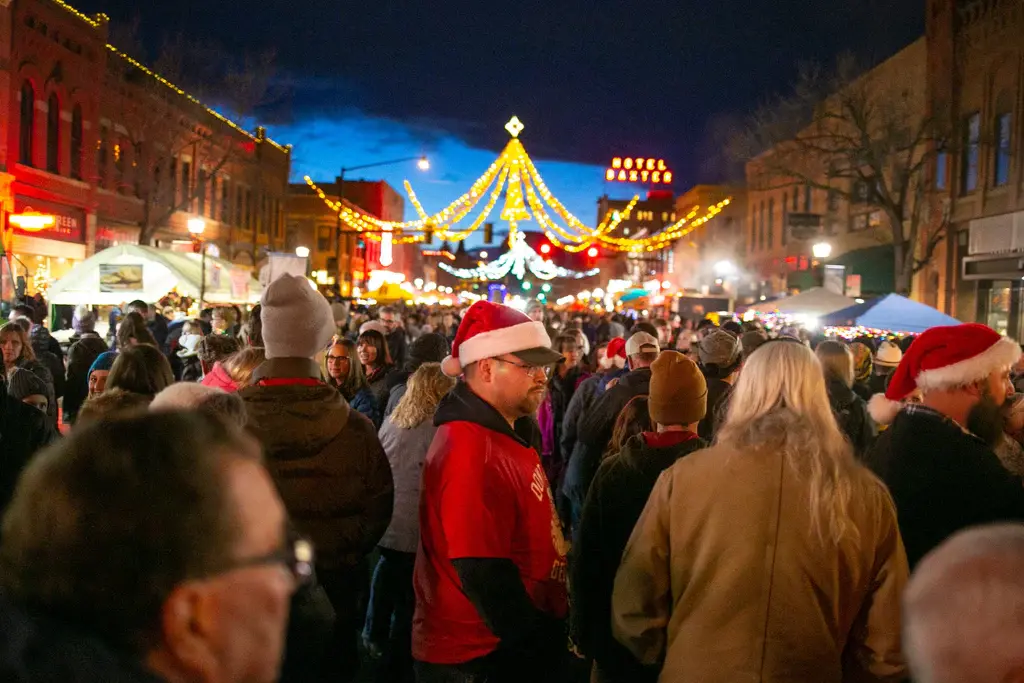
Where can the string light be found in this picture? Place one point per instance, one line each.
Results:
(527, 197)
(517, 260)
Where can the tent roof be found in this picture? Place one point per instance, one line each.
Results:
(816, 301)
(892, 312)
(162, 271)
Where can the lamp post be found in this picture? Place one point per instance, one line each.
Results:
(196, 228)
(422, 163)
(821, 250)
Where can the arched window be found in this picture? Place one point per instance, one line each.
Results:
(53, 134)
(28, 123)
(76, 142)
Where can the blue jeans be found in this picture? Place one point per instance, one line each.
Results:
(388, 626)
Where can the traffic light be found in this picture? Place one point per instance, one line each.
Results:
(488, 232)
(545, 248)
(592, 252)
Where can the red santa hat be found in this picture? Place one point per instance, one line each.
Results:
(489, 330)
(943, 358)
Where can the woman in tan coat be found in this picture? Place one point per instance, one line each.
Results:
(773, 555)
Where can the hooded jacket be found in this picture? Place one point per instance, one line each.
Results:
(490, 569)
(23, 432)
(325, 458)
(724, 580)
(219, 378)
(617, 497)
(37, 649)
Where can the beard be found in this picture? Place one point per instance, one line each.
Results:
(987, 419)
(531, 402)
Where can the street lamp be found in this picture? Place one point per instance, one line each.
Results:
(302, 252)
(196, 228)
(421, 162)
(821, 250)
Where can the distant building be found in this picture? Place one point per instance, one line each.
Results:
(70, 148)
(709, 258)
(311, 223)
(649, 217)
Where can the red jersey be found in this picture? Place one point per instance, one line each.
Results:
(484, 495)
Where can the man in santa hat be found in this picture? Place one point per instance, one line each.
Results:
(937, 458)
(490, 572)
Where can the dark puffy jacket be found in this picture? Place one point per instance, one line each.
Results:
(328, 464)
(617, 496)
(580, 405)
(719, 392)
(39, 649)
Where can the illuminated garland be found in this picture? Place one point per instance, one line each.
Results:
(526, 196)
(517, 260)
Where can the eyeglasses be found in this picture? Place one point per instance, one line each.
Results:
(297, 556)
(530, 369)
(338, 359)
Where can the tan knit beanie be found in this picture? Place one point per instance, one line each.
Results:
(679, 392)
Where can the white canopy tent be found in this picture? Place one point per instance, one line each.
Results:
(129, 271)
(815, 302)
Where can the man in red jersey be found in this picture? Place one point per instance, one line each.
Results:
(490, 583)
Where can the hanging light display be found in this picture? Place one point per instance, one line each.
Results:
(527, 197)
(519, 259)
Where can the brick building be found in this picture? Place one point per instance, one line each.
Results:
(312, 224)
(719, 241)
(71, 146)
(976, 86)
(786, 215)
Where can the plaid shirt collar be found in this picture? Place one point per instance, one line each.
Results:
(920, 410)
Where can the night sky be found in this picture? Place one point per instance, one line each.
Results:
(370, 81)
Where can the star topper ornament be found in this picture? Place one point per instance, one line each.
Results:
(514, 126)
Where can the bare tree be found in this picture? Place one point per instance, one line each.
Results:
(866, 138)
(161, 114)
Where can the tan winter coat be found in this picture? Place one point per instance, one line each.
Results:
(724, 580)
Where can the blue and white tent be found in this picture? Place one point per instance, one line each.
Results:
(892, 312)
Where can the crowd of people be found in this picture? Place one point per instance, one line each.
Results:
(317, 492)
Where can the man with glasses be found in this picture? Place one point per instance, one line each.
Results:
(145, 550)
(396, 334)
(490, 576)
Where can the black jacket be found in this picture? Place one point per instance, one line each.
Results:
(38, 649)
(942, 479)
(852, 415)
(49, 352)
(718, 400)
(24, 430)
(594, 434)
(617, 496)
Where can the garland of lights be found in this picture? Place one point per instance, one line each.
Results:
(517, 260)
(526, 196)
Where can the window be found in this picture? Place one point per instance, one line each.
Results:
(186, 186)
(213, 196)
(53, 134)
(760, 229)
(262, 220)
(875, 219)
(137, 168)
(119, 153)
(201, 192)
(771, 222)
(808, 195)
(172, 178)
(971, 153)
(784, 235)
(941, 169)
(76, 142)
(860, 223)
(796, 200)
(833, 200)
(102, 154)
(323, 238)
(28, 124)
(1002, 168)
(225, 201)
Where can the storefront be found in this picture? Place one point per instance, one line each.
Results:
(41, 257)
(997, 286)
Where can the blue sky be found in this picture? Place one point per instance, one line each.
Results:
(322, 146)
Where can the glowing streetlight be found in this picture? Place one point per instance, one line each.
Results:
(302, 252)
(196, 226)
(483, 254)
(822, 250)
(423, 164)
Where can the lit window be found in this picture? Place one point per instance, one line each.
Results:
(1002, 169)
(971, 152)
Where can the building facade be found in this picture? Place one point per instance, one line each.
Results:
(339, 255)
(976, 87)
(707, 259)
(787, 215)
(86, 137)
(649, 216)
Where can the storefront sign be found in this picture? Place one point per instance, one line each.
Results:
(117, 277)
(68, 224)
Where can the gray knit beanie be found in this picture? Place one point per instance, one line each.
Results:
(297, 320)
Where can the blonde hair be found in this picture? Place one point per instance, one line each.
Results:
(836, 361)
(779, 403)
(242, 364)
(427, 386)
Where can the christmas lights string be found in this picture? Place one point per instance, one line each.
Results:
(526, 196)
